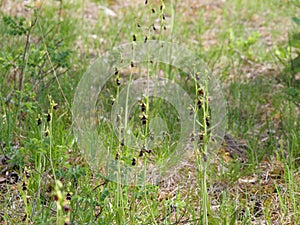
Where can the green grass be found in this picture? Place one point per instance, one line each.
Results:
(245, 43)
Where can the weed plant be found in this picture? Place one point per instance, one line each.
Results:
(44, 178)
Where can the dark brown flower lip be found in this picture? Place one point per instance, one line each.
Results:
(133, 162)
(48, 117)
(118, 81)
(39, 121)
(116, 71)
(68, 197)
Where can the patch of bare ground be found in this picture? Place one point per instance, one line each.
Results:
(261, 193)
(16, 8)
(221, 15)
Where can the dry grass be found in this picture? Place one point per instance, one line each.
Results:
(262, 189)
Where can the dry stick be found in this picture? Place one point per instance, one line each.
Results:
(186, 221)
(25, 55)
(46, 85)
(98, 214)
(44, 57)
(46, 34)
(25, 61)
(59, 15)
(54, 72)
(15, 76)
(103, 183)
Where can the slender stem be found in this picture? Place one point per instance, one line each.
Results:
(25, 55)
